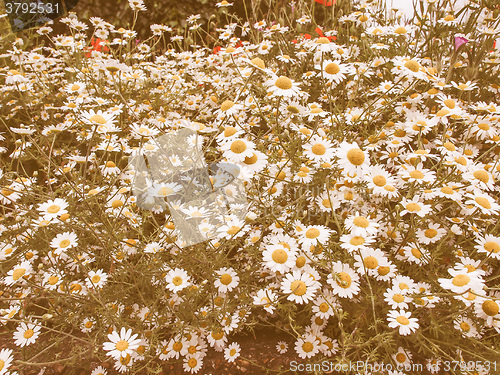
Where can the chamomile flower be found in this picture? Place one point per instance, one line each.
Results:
(334, 70)
(353, 243)
(266, 298)
(489, 244)
(279, 258)
(121, 344)
(488, 308)
(227, 280)
(359, 225)
(26, 334)
(319, 149)
(396, 299)
(313, 235)
(238, 150)
(307, 346)
(177, 279)
(53, 209)
(484, 202)
(466, 327)
(192, 363)
(282, 347)
(300, 287)
(96, 279)
(64, 241)
(351, 158)
(232, 352)
(402, 320)
(18, 273)
(462, 281)
(283, 86)
(343, 280)
(415, 206)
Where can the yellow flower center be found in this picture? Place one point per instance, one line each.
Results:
(64, 243)
(177, 280)
(400, 30)
(318, 149)
(400, 357)
(238, 147)
(28, 333)
(379, 180)
(52, 280)
(233, 230)
(416, 253)
(226, 279)
(413, 65)
(416, 175)
(53, 209)
(430, 233)
(18, 273)
(96, 278)
(483, 202)
(226, 105)
(283, 83)
(370, 262)
(193, 362)
(361, 222)
(307, 347)
(383, 270)
(323, 307)
(217, 335)
(450, 103)
(312, 233)
(465, 327)
(251, 160)
(413, 207)
(491, 246)
(98, 119)
(177, 346)
(490, 307)
(344, 280)
(332, 68)
(280, 256)
(298, 287)
(398, 298)
(229, 131)
(402, 320)
(482, 176)
(460, 280)
(300, 262)
(357, 240)
(88, 324)
(258, 62)
(355, 156)
(110, 164)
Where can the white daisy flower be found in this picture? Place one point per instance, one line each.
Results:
(361, 226)
(343, 280)
(26, 334)
(177, 279)
(307, 346)
(352, 159)
(462, 281)
(121, 344)
(232, 352)
(402, 319)
(228, 280)
(299, 286)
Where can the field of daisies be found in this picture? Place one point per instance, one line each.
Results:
(367, 145)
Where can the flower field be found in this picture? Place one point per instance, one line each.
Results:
(351, 157)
